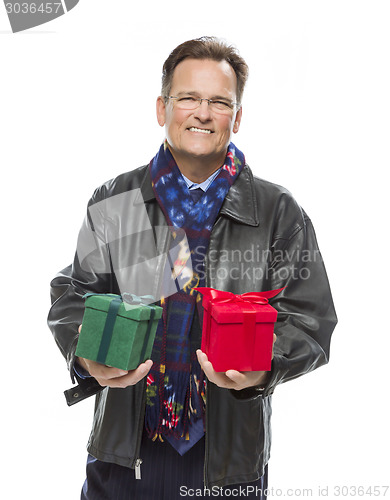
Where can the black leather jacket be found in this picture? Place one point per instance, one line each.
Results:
(261, 240)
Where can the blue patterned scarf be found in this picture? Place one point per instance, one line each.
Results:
(175, 384)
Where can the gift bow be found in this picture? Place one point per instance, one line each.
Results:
(253, 297)
(129, 298)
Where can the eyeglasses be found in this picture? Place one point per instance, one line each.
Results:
(217, 105)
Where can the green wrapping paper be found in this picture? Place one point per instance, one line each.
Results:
(117, 333)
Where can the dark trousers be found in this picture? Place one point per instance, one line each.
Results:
(165, 475)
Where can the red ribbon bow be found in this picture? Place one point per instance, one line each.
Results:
(253, 297)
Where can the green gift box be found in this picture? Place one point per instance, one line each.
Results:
(117, 332)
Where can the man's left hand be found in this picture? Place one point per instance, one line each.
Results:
(232, 379)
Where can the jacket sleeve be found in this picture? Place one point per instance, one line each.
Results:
(306, 314)
(90, 272)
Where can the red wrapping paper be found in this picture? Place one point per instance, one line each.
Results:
(237, 332)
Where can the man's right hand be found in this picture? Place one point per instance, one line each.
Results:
(108, 376)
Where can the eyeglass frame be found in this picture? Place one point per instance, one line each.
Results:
(200, 99)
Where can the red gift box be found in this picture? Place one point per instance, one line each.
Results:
(238, 329)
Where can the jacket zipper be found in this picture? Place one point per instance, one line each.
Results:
(205, 475)
(138, 461)
(206, 455)
(137, 468)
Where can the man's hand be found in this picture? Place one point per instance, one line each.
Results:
(232, 379)
(114, 377)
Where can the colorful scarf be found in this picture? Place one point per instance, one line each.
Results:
(175, 384)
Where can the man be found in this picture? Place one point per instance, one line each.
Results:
(218, 226)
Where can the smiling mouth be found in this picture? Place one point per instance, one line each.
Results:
(201, 130)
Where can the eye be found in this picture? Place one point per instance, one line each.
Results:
(187, 99)
(222, 104)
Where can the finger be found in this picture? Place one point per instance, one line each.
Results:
(218, 378)
(80, 328)
(202, 357)
(206, 365)
(144, 368)
(100, 371)
(236, 376)
(132, 377)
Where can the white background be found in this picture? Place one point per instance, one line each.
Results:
(78, 107)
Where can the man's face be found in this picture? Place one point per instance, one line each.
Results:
(204, 79)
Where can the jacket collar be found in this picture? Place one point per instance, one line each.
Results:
(240, 203)
(146, 186)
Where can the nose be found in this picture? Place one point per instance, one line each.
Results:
(203, 111)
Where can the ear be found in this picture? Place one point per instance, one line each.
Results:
(160, 111)
(237, 121)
